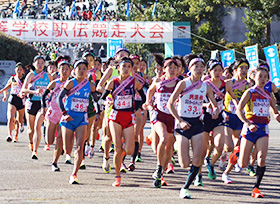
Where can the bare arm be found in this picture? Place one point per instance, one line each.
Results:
(7, 86)
(26, 82)
(104, 78)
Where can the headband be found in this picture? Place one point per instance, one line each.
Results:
(124, 61)
(169, 61)
(88, 53)
(242, 64)
(214, 64)
(195, 60)
(122, 49)
(134, 57)
(38, 57)
(61, 62)
(80, 62)
(264, 66)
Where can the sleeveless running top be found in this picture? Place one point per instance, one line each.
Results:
(54, 95)
(15, 87)
(229, 106)
(41, 83)
(190, 105)
(78, 102)
(220, 101)
(257, 108)
(124, 99)
(162, 96)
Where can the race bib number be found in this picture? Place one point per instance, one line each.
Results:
(40, 87)
(261, 109)
(193, 109)
(79, 105)
(123, 102)
(113, 114)
(15, 90)
(162, 100)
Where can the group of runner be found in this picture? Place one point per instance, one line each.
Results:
(215, 109)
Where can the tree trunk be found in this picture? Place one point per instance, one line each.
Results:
(268, 31)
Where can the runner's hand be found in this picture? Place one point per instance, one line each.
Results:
(215, 113)
(97, 118)
(4, 99)
(185, 125)
(253, 128)
(67, 118)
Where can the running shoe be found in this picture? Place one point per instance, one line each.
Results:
(206, 161)
(55, 167)
(30, 147)
(138, 158)
(106, 166)
(101, 150)
(163, 182)
(170, 169)
(91, 152)
(198, 180)
(173, 161)
(9, 138)
(237, 168)
(97, 136)
(211, 172)
(47, 147)
(157, 183)
(131, 166)
(83, 165)
(73, 179)
(256, 193)
(34, 155)
(222, 163)
(87, 150)
(15, 138)
(184, 193)
(21, 129)
(68, 159)
(123, 168)
(226, 178)
(117, 181)
(251, 171)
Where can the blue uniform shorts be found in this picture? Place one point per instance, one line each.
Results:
(79, 119)
(254, 136)
(233, 122)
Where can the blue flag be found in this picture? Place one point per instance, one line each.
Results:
(17, 7)
(155, 8)
(73, 9)
(45, 9)
(272, 58)
(127, 9)
(214, 54)
(227, 57)
(99, 7)
(252, 56)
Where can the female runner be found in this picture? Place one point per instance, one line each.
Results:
(256, 101)
(35, 84)
(121, 118)
(15, 102)
(162, 120)
(191, 93)
(53, 113)
(74, 113)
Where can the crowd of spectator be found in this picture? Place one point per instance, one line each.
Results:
(58, 10)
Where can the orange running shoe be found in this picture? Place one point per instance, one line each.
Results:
(149, 140)
(163, 182)
(256, 193)
(117, 182)
(15, 138)
(97, 136)
(234, 155)
(30, 147)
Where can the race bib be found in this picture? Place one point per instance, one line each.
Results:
(220, 106)
(261, 109)
(154, 115)
(15, 90)
(40, 87)
(193, 108)
(79, 105)
(123, 102)
(137, 97)
(50, 112)
(162, 100)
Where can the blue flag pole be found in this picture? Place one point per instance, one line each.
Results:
(127, 9)
(45, 9)
(155, 8)
(99, 7)
(17, 7)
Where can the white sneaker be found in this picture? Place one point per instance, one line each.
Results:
(68, 159)
(87, 150)
(226, 178)
(237, 168)
(106, 166)
(91, 152)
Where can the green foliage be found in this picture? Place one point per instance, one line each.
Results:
(12, 48)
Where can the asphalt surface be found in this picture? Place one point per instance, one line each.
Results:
(24, 180)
